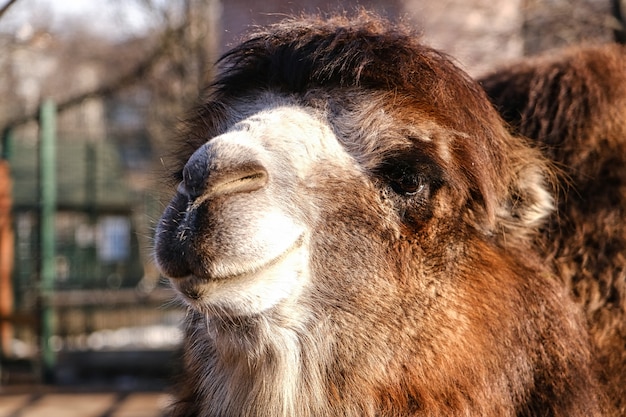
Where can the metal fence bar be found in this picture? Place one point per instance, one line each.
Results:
(47, 190)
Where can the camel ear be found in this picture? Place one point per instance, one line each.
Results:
(529, 199)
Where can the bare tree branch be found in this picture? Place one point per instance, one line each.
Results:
(141, 70)
(6, 7)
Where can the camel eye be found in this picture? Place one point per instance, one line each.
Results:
(411, 174)
(408, 185)
(404, 177)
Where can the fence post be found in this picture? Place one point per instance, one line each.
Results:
(47, 199)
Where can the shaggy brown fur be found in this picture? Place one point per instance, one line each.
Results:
(573, 104)
(428, 296)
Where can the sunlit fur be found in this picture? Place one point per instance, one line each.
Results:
(355, 234)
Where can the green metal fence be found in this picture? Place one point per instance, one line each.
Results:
(80, 278)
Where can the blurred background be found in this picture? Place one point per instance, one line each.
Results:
(91, 94)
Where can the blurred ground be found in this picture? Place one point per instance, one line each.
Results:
(55, 402)
(90, 384)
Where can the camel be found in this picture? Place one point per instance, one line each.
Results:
(572, 104)
(355, 231)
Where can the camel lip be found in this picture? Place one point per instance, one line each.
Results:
(186, 283)
(249, 291)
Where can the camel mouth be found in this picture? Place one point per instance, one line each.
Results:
(250, 288)
(220, 272)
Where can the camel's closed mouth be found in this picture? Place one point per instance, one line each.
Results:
(218, 272)
(263, 284)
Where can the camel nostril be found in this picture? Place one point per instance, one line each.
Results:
(220, 167)
(240, 179)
